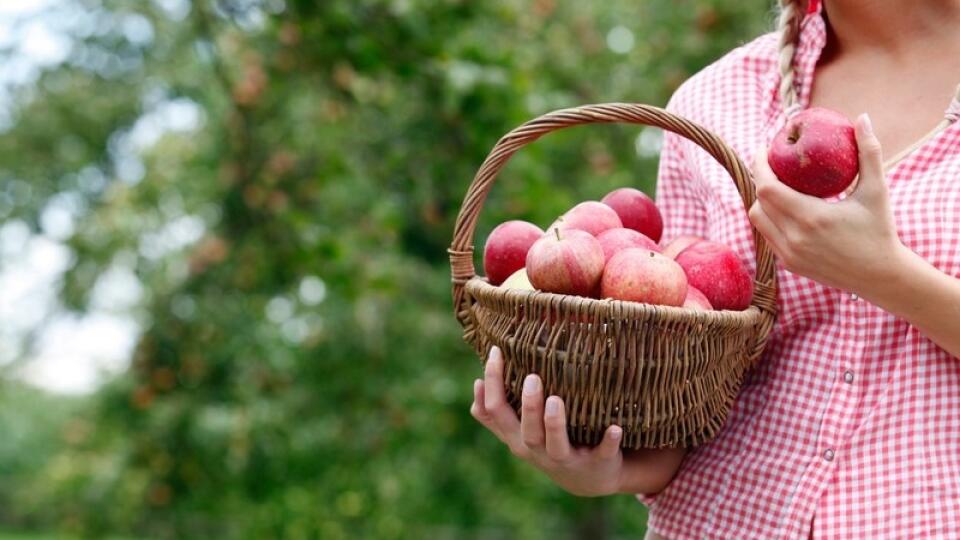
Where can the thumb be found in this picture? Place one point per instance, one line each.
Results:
(609, 447)
(872, 178)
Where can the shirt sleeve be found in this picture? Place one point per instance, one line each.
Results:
(678, 194)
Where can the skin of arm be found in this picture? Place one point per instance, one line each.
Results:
(853, 245)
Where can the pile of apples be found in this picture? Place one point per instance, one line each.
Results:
(609, 249)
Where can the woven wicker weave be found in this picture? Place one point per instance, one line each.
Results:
(666, 375)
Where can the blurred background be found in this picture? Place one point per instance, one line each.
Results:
(224, 292)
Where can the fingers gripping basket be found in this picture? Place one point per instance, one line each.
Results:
(666, 375)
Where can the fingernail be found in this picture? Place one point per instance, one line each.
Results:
(494, 351)
(531, 384)
(476, 385)
(553, 406)
(615, 433)
(867, 124)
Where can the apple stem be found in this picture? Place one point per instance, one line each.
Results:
(794, 134)
(556, 230)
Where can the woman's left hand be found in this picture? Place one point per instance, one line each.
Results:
(850, 244)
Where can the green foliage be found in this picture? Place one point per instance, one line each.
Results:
(300, 373)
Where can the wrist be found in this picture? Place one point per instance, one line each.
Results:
(892, 276)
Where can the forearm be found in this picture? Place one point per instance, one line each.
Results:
(650, 471)
(916, 291)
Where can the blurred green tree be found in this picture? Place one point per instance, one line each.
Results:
(300, 374)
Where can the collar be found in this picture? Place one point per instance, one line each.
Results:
(953, 112)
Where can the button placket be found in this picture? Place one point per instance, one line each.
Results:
(837, 420)
(856, 322)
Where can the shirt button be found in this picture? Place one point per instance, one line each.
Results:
(854, 297)
(828, 455)
(848, 377)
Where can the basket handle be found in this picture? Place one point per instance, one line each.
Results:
(461, 249)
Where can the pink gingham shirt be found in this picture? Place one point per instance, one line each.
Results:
(851, 419)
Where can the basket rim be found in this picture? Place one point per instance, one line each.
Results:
(617, 309)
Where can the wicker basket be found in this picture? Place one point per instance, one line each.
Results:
(666, 375)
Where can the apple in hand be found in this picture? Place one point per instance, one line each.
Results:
(613, 240)
(637, 211)
(641, 275)
(519, 281)
(590, 216)
(506, 249)
(696, 300)
(718, 273)
(679, 244)
(567, 261)
(816, 152)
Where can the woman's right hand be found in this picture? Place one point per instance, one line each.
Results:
(539, 437)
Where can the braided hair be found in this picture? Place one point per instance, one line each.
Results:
(788, 24)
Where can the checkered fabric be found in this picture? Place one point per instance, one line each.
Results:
(850, 423)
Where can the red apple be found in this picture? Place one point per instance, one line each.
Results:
(613, 240)
(696, 300)
(641, 275)
(816, 153)
(589, 216)
(506, 249)
(568, 261)
(679, 244)
(719, 274)
(637, 211)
